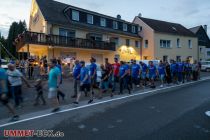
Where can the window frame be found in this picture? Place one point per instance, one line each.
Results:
(125, 25)
(127, 42)
(133, 29)
(92, 19)
(115, 25)
(102, 22)
(190, 44)
(73, 15)
(146, 43)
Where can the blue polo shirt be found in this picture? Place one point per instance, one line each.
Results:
(161, 69)
(135, 68)
(123, 69)
(83, 72)
(53, 77)
(180, 67)
(3, 79)
(76, 71)
(144, 67)
(152, 70)
(93, 67)
(174, 67)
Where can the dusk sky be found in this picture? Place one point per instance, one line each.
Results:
(189, 13)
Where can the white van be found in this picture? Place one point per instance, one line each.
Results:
(205, 66)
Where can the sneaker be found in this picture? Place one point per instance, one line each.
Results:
(14, 118)
(76, 103)
(55, 110)
(137, 86)
(161, 86)
(111, 95)
(89, 102)
(74, 96)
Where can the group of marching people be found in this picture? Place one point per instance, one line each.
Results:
(121, 75)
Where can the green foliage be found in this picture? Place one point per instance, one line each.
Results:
(15, 29)
(3, 41)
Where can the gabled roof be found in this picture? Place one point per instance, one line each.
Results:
(195, 29)
(54, 12)
(167, 27)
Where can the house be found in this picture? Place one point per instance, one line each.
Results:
(61, 30)
(203, 42)
(165, 40)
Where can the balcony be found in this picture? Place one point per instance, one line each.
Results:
(62, 41)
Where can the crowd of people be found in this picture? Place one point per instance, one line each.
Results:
(122, 75)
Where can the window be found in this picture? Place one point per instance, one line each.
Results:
(75, 15)
(127, 42)
(145, 57)
(200, 50)
(133, 29)
(146, 43)
(137, 44)
(178, 43)
(90, 19)
(103, 22)
(178, 58)
(139, 28)
(115, 25)
(66, 33)
(165, 58)
(190, 44)
(125, 27)
(165, 43)
(115, 40)
(208, 53)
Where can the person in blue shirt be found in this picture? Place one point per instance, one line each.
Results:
(53, 84)
(188, 70)
(123, 75)
(180, 71)
(174, 70)
(152, 71)
(93, 74)
(135, 73)
(76, 75)
(60, 93)
(4, 99)
(143, 72)
(84, 83)
(161, 73)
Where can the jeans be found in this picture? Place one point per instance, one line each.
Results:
(17, 94)
(76, 85)
(124, 84)
(115, 81)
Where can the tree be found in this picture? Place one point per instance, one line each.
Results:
(15, 29)
(3, 41)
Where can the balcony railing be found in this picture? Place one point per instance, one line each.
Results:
(56, 40)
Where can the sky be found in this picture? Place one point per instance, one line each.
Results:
(189, 13)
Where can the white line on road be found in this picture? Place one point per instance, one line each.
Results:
(97, 103)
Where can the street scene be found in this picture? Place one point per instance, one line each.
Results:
(75, 71)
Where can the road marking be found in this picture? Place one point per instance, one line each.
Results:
(207, 113)
(102, 102)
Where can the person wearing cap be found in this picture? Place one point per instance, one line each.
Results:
(4, 99)
(53, 85)
(76, 75)
(84, 83)
(93, 74)
(116, 69)
(135, 72)
(123, 75)
(15, 78)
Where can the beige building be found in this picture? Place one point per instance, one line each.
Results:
(165, 41)
(61, 30)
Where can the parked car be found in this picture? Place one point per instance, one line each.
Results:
(205, 66)
(4, 64)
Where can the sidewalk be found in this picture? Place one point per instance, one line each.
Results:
(29, 95)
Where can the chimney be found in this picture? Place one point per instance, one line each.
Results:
(205, 28)
(118, 16)
(139, 15)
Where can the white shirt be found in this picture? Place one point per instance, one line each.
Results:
(14, 77)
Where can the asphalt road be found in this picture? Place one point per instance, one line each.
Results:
(171, 115)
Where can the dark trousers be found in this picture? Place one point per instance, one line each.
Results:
(168, 78)
(124, 84)
(17, 94)
(135, 80)
(60, 93)
(115, 81)
(40, 96)
(195, 75)
(76, 85)
(30, 72)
